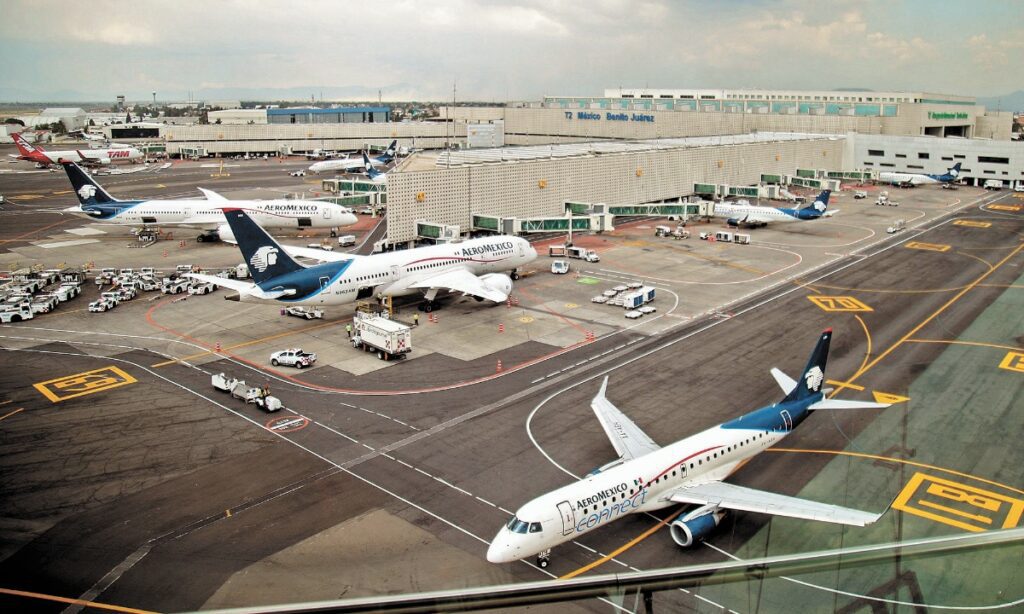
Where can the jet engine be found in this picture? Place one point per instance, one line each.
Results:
(693, 526)
(225, 234)
(103, 160)
(499, 282)
(733, 222)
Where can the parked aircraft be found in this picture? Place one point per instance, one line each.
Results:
(351, 165)
(743, 214)
(646, 477)
(35, 153)
(915, 179)
(481, 268)
(207, 215)
(373, 174)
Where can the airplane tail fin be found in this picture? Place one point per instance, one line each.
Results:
(371, 172)
(24, 148)
(820, 203)
(814, 373)
(266, 259)
(955, 171)
(392, 148)
(88, 191)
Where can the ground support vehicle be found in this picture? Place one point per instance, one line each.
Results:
(390, 339)
(293, 357)
(582, 253)
(308, 313)
(17, 313)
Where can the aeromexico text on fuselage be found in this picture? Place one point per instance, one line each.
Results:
(469, 252)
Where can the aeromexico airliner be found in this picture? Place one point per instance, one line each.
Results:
(743, 214)
(481, 268)
(912, 179)
(96, 204)
(647, 477)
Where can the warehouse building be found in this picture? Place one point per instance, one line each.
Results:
(980, 159)
(333, 115)
(73, 118)
(536, 182)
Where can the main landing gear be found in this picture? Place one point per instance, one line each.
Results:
(428, 306)
(544, 559)
(514, 275)
(211, 237)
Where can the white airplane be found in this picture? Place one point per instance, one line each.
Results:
(35, 153)
(96, 204)
(743, 214)
(481, 268)
(349, 165)
(646, 477)
(915, 179)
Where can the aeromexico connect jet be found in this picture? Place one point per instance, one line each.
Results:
(743, 214)
(692, 471)
(481, 268)
(913, 179)
(206, 215)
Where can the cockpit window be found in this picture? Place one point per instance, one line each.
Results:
(534, 527)
(517, 526)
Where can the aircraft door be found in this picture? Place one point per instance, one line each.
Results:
(568, 517)
(787, 420)
(327, 212)
(394, 271)
(305, 222)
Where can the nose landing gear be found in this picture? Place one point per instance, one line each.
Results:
(544, 559)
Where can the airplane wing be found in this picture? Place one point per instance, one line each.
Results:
(242, 287)
(627, 438)
(731, 496)
(212, 196)
(460, 280)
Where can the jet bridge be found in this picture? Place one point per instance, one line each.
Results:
(516, 226)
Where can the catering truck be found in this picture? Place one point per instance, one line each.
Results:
(373, 333)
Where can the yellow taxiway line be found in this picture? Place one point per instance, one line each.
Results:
(81, 602)
(242, 345)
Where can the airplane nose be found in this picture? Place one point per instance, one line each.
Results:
(497, 553)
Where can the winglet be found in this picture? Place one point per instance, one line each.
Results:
(211, 195)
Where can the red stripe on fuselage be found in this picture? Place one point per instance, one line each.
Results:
(450, 258)
(680, 462)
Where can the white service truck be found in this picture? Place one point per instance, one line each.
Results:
(582, 253)
(390, 339)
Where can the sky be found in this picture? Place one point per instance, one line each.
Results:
(500, 51)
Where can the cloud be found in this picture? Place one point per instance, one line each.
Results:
(498, 50)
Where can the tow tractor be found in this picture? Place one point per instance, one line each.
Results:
(260, 397)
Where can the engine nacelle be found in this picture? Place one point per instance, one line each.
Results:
(735, 223)
(103, 160)
(499, 282)
(691, 527)
(225, 234)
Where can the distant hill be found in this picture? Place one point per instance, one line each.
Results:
(395, 91)
(1008, 102)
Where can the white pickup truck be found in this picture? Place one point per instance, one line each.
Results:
(309, 313)
(293, 357)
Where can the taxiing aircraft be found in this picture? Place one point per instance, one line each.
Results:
(915, 179)
(35, 153)
(743, 214)
(207, 215)
(646, 477)
(481, 268)
(351, 165)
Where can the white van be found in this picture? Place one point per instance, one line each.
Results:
(993, 184)
(559, 267)
(346, 240)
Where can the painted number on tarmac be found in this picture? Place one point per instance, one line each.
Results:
(1013, 361)
(287, 424)
(1005, 207)
(972, 223)
(81, 384)
(931, 247)
(958, 505)
(526, 319)
(839, 303)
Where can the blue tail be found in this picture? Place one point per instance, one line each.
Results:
(370, 171)
(88, 191)
(264, 256)
(814, 373)
(820, 203)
